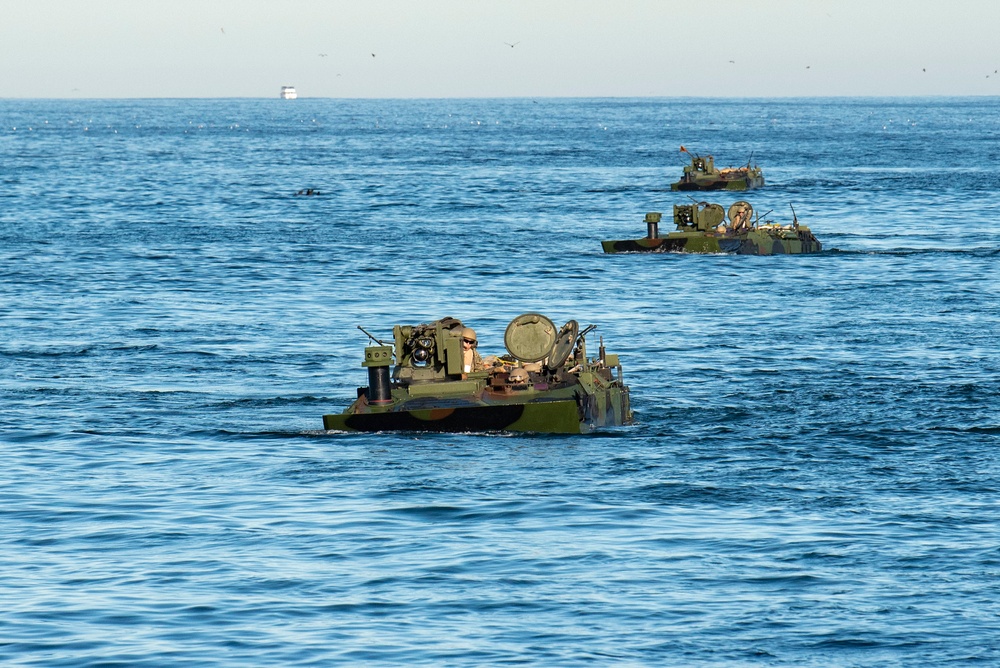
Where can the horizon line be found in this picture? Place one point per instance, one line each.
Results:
(516, 97)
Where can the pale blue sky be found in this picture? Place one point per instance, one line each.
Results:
(452, 48)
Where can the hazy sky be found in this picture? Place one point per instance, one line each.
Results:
(456, 48)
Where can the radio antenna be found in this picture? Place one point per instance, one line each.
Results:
(381, 343)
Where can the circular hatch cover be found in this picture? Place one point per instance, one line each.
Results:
(564, 344)
(530, 337)
(712, 215)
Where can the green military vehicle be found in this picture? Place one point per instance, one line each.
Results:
(702, 174)
(706, 228)
(546, 383)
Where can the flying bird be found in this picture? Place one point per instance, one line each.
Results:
(512, 45)
(223, 30)
(373, 55)
(322, 55)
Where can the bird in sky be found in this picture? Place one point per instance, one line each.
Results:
(223, 30)
(322, 55)
(733, 61)
(512, 45)
(373, 55)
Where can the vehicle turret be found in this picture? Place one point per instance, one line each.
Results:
(428, 353)
(699, 216)
(701, 165)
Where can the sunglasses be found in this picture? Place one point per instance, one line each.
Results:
(469, 341)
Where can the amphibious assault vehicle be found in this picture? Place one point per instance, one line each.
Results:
(702, 174)
(428, 379)
(706, 228)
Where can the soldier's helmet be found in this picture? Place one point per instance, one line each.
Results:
(470, 334)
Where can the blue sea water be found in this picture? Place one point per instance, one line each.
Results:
(812, 479)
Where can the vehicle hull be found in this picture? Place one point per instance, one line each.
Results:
(708, 183)
(569, 410)
(755, 242)
(424, 381)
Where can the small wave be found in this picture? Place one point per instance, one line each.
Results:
(46, 354)
(193, 353)
(271, 401)
(270, 435)
(973, 252)
(990, 429)
(135, 348)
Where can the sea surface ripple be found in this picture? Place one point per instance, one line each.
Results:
(812, 479)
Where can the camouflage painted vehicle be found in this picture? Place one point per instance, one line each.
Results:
(706, 228)
(545, 384)
(702, 174)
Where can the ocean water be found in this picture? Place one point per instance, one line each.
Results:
(812, 479)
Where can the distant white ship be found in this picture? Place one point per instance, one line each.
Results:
(288, 93)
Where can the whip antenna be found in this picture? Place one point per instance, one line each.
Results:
(381, 343)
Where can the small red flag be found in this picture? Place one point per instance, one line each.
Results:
(683, 150)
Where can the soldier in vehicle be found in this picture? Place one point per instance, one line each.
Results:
(471, 361)
(740, 217)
